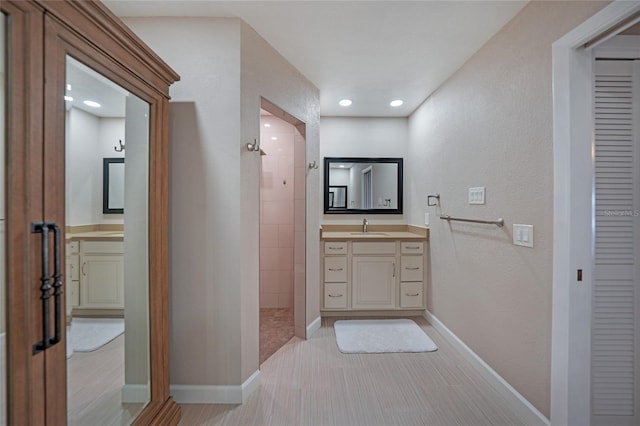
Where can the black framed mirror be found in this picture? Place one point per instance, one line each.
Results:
(357, 185)
(113, 185)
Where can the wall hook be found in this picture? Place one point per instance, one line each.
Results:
(437, 198)
(313, 165)
(121, 146)
(253, 147)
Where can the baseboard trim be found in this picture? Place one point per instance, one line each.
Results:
(525, 409)
(199, 394)
(314, 326)
(135, 394)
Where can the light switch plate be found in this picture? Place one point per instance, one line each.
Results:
(426, 219)
(523, 235)
(476, 195)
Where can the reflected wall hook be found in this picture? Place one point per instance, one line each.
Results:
(313, 165)
(253, 147)
(121, 146)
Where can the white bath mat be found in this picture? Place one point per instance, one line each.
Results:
(381, 335)
(90, 334)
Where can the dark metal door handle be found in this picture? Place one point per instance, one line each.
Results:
(45, 288)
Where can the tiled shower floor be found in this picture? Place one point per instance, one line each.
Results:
(276, 329)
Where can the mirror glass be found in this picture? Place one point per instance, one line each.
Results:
(107, 254)
(362, 185)
(113, 185)
(3, 328)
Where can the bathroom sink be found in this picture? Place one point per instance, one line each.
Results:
(373, 234)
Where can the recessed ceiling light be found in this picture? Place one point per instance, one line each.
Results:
(267, 125)
(345, 102)
(68, 98)
(273, 138)
(396, 103)
(341, 166)
(92, 104)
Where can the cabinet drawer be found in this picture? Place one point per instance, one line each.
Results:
(73, 267)
(335, 295)
(335, 269)
(411, 268)
(116, 247)
(73, 294)
(411, 295)
(335, 248)
(408, 247)
(374, 248)
(73, 247)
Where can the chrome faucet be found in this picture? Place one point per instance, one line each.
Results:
(365, 223)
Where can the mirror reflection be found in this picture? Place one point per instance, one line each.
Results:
(107, 255)
(113, 185)
(363, 185)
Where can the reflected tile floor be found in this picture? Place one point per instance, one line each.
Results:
(276, 329)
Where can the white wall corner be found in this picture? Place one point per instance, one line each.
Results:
(313, 327)
(525, 410)
(199, 394)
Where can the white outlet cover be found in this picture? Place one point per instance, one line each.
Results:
(523, 235)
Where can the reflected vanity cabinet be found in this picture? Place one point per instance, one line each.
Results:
(373, 275)
(95, 275)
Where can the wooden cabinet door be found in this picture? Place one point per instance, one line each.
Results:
(374, 282)
(40, 35)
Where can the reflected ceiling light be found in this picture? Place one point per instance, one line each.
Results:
(68, 87)
(273, 138)
(345, 102)
(396, 103)
(92, 104)
(341, 166)
(267, 125)
(68, 98)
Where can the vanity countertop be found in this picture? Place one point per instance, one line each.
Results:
(96, 236)
(374, 232)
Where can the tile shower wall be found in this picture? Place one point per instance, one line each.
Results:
(277, 213)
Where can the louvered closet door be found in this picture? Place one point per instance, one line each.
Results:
(615, 343)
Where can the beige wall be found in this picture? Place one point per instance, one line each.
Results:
(490, 125)
(266, 74)
(225, 69)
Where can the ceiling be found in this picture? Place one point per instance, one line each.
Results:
(371, 52)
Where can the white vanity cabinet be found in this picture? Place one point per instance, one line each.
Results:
(412, 274)
(101, 275)
(335, 274)
(385, 275)
(72, 281)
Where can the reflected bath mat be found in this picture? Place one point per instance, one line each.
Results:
(90, 334)
(380, 336)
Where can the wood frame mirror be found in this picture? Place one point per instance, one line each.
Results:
(41, 35)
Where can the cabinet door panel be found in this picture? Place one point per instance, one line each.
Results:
(374, 281)
(101, 283)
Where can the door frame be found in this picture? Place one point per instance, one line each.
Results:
(574, 215)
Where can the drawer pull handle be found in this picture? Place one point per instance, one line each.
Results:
(335, 248)
(82, 269)
(412, 295)
(412, 268)
(335, 270)
(412, 247)
(334, 295)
